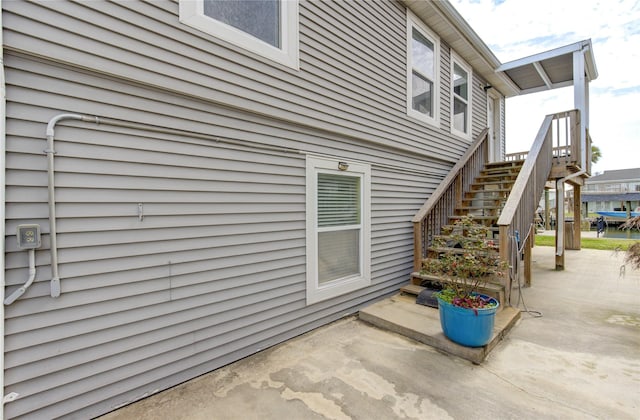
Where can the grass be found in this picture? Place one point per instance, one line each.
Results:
(610, 244)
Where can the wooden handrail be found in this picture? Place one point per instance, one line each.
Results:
(519, 210)
(448, 180)
(435, 212)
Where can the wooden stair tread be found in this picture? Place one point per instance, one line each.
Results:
(473, 193)
(455, 217)
(489, 285)
(503, 164)
(496, 240)
(442, 250)
(498, 182)
(412, 289)
(489, 190)
(507, 174)
(490, 228)
(463, 208)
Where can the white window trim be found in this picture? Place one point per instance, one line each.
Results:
(192, 14)
(414, 22)
(315, 292)
(455, 59)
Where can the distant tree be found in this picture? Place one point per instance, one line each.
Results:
(596, 154)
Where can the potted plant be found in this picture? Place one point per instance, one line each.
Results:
(463, 260)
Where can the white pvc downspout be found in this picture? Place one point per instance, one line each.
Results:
(50, 151)
(3, 149)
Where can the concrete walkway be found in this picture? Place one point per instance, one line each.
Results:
(580, 360)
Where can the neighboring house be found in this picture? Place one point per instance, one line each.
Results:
(206, 191)
(616, 190)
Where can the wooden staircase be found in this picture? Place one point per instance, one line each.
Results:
(483, 199)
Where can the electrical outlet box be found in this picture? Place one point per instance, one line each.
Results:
(28, 236)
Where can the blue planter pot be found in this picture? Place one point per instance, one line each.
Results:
(466, 326)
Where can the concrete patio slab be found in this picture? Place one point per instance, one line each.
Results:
(579, 360)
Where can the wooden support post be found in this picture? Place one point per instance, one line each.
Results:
(577, 219)
(417, 246)
(547, 210)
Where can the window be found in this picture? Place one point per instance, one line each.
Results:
(461, 97)
(338, 227)
(266, 27)
(423, 54)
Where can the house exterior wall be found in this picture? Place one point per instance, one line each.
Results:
(612, 191)
(180, 253)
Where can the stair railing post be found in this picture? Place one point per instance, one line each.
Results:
(418, 240)
(505, 255)
(527, 257)
(458, 191)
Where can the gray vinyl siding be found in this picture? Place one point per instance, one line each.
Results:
(215, 270)
(352, 78)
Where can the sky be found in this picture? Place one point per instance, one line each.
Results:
(518, 28)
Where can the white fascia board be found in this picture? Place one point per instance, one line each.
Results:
(567, 49)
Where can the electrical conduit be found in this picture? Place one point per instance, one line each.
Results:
(50, 152)
(32, 275)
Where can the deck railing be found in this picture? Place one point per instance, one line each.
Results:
(436, 210)
(567, 148)
(557, 143)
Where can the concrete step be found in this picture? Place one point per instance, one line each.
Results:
(400, 314)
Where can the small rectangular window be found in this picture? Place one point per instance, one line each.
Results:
(338, 227)
(266, 27)
(461, 97)
(422, 71)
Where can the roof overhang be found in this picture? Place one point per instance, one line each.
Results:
(445, 20)
(551, 69)
(548, 70)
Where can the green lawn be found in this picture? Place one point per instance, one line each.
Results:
(610, 244)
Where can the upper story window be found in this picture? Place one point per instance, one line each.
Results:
(460, 97)
(266, 27)
(423, 52)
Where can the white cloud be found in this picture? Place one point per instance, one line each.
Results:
(514, 29)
